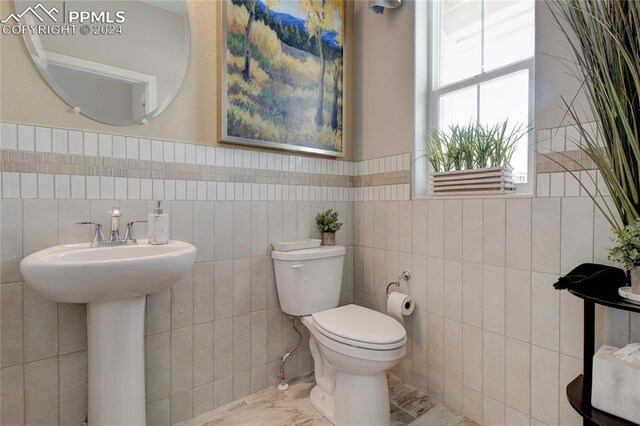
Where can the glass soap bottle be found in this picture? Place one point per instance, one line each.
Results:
(158, 225)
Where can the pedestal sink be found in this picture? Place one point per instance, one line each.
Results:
(114, 282)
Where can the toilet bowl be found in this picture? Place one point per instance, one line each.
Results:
(351, 371)
(352, 347)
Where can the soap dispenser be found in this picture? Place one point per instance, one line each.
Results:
(158, 225)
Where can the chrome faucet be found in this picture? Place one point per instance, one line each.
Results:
(98, 236)
(114, 233)
(129, 236)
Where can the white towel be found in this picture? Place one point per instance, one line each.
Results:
(630, 353)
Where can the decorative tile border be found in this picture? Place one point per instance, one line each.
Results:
(383, 179)
(43, 185)
(18, 161)
(565, 184)
(560, 163)
(42, 162)
(383, 193)
(575, 160)
(26, 138)
(557, 150)
(63, 186)
(379, 179)
(50, 157)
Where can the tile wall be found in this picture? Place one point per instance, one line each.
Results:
(490, 336)
(214, 337)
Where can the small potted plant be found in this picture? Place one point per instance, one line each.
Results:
(627, 252)
(328, 225)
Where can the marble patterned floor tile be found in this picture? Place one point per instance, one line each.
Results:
(440, 415)
(266, 412)
(270, 393)
(395, 385)
(271, 407)
(318, 419)
(399, 417)
(301, 389)
(411, 400)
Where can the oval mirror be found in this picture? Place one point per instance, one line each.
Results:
(117, 62)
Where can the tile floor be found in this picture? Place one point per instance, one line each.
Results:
(271, 407)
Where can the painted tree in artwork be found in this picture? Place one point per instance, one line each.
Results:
(320, 17)
(251, 7)
(337, 71)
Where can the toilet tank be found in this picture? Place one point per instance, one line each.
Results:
(309, 280)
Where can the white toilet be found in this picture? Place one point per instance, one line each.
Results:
(352, 347)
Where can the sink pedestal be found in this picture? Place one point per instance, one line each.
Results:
(114, 282)
(115, 333)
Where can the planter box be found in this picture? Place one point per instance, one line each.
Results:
(489, 181)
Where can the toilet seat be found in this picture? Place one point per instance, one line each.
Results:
(360, 327)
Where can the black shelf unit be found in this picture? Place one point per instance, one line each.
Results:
(579, 390)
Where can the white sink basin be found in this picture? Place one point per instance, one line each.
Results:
(114, 282)
(77, 273)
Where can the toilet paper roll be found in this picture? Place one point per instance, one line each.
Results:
(399, 305)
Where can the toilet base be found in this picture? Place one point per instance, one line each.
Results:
(362, 400)
(322, 402)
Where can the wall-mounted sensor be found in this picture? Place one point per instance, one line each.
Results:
(378, 6)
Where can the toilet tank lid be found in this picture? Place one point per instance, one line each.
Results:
(308, 254)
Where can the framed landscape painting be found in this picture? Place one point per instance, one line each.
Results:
(282, 74)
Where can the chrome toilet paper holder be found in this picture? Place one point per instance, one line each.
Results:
(405, 275)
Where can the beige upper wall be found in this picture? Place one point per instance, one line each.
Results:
(383, 52)
(25, 97)
(385, 85)
(554, 72)
(384, 80)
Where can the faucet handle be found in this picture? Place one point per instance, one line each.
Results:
(129, 236)
(98, 236)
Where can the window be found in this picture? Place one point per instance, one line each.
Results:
(481, 67)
